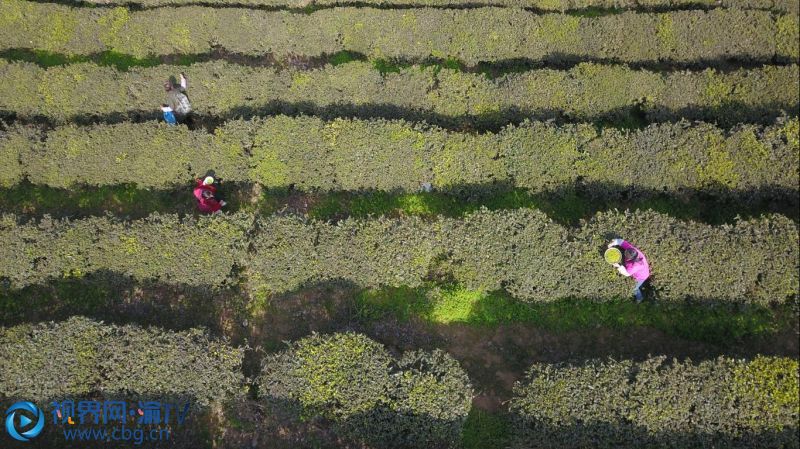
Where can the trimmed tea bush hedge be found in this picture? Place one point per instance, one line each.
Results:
(538, 5)
(422, 400)
(79, 357)
(522, 251)
(312, 154)
(162, 247)
(533, 258)
(13, 143)
(658, 403)
(88, 93)
(147, 154)
(503, 34)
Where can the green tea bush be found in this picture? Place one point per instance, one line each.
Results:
(503, 34)
(533, 258)
(658, 403)
(291, 252)
(311, 154)
(79, 357)
(335, 376)
(536, 260)
(188, 363)
(148, 155)
(13, 143)
(659, 157)
(422, 400)
(162, 247)
(538, 5)
(522, 251)
(788, 40)
(87, 93)
(30, 354)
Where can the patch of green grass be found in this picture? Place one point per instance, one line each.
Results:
(437, 65)
(363, 205)
(126, 199)
(386, 66)
(343, 57)
(565, 208)
(374, 203)
(42, 58)
(123, 62)
(401, 302)
(714, 323)
(328, 206)
(452, 64)
(239, 424)
(119, 61)
(568, 206)
(485, 430)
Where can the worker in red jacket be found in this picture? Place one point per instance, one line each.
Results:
(205, 191)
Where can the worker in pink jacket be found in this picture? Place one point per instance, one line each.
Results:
(205, 190)
(632, 263)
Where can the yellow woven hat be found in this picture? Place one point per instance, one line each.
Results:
(613, 255)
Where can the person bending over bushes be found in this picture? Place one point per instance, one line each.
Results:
(205, 190)
(177, 109)
(630, 262)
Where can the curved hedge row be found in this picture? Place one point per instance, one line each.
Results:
(87, 93)
(312, 154)
(657, 403)
(503, 34)
(79, 357)
(421, 400)
(193, 251)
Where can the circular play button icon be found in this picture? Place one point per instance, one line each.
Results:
(29, 424)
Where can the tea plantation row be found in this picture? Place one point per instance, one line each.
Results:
(88, 93)
(502, 34)
(590, 6)
(521, 251)
(658, 403)
(311, 154)
(420, 399)
(344, 377)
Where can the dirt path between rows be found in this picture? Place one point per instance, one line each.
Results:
(494, 357)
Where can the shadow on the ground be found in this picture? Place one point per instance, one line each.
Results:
(566, 205)
(117, 298)
(492, 69)
(589, 11)
(714, 326)
(494, 338)
(726, 114)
